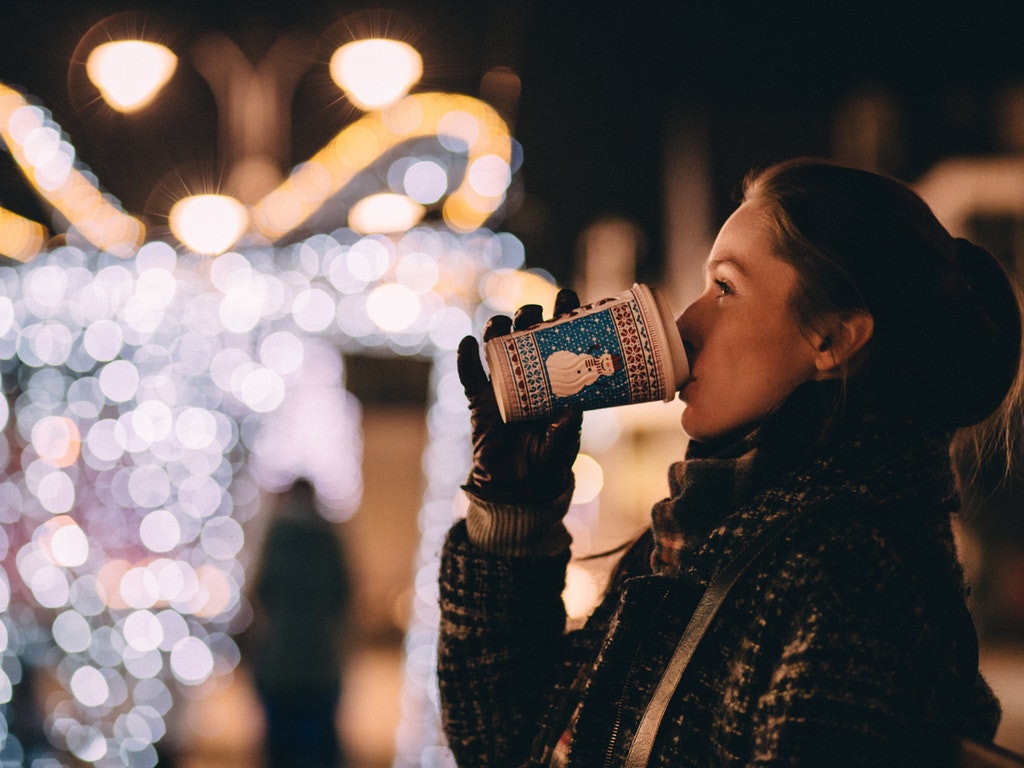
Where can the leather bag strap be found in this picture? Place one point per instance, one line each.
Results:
(707, 608)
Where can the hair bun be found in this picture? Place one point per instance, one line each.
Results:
(987, 335)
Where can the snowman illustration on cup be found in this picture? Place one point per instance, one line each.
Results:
(569, 372)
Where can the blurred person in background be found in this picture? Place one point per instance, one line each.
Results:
(298, 637)
(843, 341)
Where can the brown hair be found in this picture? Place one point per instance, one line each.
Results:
(946, 348)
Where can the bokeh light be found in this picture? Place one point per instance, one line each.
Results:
(589, 479)
(208, 224)
(375, 72)
(129, 73)
(385, 212)
(582, 591)
(20, 238)
(425, 181)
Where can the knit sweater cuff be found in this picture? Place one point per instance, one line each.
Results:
(519, 530)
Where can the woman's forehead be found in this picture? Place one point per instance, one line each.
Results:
(745, 240)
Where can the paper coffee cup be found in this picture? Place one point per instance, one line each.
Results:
(616, 351)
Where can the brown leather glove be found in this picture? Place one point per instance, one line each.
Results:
(522, 461)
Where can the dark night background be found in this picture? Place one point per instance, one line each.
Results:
(600, 80)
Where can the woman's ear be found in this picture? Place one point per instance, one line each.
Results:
(849, 334)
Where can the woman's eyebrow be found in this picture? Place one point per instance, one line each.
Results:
(726, 261)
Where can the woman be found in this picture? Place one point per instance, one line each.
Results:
(842, 338)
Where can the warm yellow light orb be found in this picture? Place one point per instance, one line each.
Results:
(507, 289)
(209, 224)
(385, 213)
(130, 73)
(20, 238)
(376, 72)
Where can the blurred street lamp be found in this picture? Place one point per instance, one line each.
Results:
(130, 73)
(208, 224)
(376, 72)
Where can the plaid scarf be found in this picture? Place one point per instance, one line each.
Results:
(704, 491)
(717, 478)
(820, 440)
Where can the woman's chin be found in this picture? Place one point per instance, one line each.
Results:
(701, 429)
(690, 422)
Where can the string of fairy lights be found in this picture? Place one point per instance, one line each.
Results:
(140, 389)
(154, 393)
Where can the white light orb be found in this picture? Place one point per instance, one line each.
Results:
(69, 545)
(393, 307)
(71, 631)
(489, 175)
(589, 479)
(425, 181)
(89, 686)
(143, 631)
(160, 531)
(191, 661)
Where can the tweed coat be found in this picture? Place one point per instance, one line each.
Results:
(849, 644)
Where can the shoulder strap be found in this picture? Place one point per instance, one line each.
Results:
(707, 608)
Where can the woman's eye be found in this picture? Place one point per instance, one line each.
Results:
(724, 289)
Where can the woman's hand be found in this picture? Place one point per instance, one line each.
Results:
(522, 461)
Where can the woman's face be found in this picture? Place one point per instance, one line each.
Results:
(746, 351)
